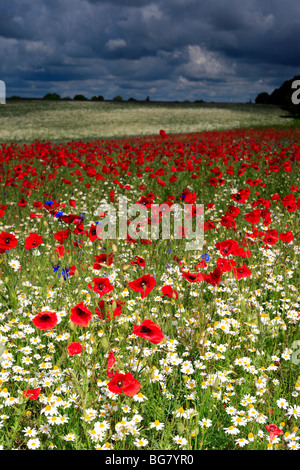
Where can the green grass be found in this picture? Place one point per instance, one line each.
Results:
(27, 120)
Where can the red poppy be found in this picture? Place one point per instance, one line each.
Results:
(62, 235)
(188, 197)
(80, 315)
(102, 285)
(232, 211)
(32, 394)
(227, 247)
(60, 250)
(7, 241)
(240, 197)
(72, 270)
(241, 252)
(192, 277)
(68, 219)
(286, 237)
(163, 134)
(110, 365)
(167, 290)
(149, 330)
(209, 225)
(253, 216)
(270, 238)
(240, 272)
(202, 264)
(273, 431)
(33, 240)
(124, 383)
(214, 277)
(22, 203)
(93, 232)
(228, 222)
(103, 258)
(74, 348)
(225, 264)
(144, 285)
(45, 320)
(138, 260)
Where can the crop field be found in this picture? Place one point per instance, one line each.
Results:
(27, 120)
(135, 342)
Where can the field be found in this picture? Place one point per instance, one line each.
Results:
(27, 120)
(136, 343)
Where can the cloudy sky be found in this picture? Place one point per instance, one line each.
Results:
(215, 50)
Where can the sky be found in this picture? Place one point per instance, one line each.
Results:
(167, 50)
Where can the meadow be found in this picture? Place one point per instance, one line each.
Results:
(139, 344)
(27, 120)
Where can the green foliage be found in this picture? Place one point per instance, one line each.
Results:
(52, 96)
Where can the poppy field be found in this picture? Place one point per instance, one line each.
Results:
(137, 343)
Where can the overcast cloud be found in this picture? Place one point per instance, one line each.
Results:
(215, 50)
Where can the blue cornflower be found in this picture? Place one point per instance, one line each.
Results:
(169, 250)
(207, 257)
(56, 268)
(65, 273)
(49, 203)
(59, 214)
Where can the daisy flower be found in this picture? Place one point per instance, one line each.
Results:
(70, 437)
(141, 442)
(33, 443)
(241, 442)
(205, 423)
(181, 441)
(157, 425)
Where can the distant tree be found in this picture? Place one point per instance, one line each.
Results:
(67, 98)
(198, 101)
(97, 98)
(51, 96)
(15, 97)
(147, 99)
(262, 98)
(80, 98)
(132, 99)
(118, 98)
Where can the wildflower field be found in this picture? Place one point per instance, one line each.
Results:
(137, 343)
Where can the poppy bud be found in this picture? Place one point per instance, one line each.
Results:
(105, 343)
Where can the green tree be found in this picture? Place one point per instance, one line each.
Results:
(79, 98)
(51, 96)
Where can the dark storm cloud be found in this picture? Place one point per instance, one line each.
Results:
(169, 49)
